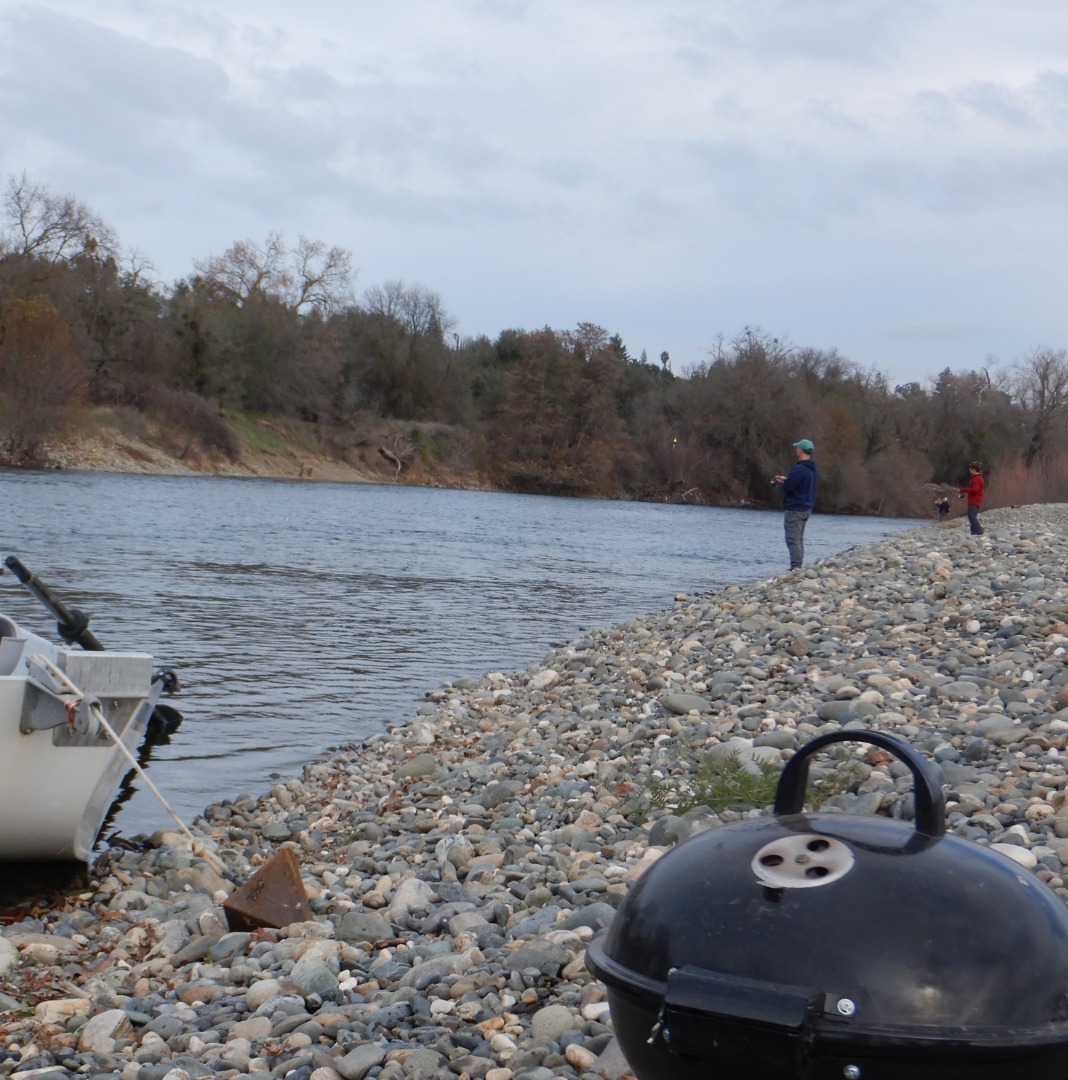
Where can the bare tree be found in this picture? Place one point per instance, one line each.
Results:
(138, 270)
(1040, 384)
(246, 271)
(311, 277)
(418, 309)
(323, 277)
(385, 299)
(56, 228)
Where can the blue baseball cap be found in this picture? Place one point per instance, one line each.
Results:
(806, 445)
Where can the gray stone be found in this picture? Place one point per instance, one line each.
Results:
(680, 704)
(357, 926)
(356, 1064)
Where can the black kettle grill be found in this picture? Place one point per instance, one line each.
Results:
(834, 945)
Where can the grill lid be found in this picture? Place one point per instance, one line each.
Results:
(845, 935)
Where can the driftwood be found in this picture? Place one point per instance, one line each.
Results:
(392, 459)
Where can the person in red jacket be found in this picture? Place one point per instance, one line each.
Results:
(974, 491)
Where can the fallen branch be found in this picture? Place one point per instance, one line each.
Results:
(392, 459)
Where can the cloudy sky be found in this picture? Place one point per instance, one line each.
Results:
(885, 178)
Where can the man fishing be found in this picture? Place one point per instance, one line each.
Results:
(799, 497)
(974, 491)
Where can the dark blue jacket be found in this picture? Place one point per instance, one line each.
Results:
(799, 488)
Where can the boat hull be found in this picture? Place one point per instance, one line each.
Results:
(57, 783)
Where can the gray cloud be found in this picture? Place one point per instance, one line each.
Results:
(839, 32)
(1002, 105)
(884, 177)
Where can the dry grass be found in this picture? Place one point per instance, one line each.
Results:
(1016, 485)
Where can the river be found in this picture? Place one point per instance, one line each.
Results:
(302, 616)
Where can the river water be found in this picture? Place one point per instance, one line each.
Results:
(302, 616)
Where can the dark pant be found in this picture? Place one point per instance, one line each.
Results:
(973, 520)
(795, 522)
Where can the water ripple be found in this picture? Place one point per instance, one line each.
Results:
(302, 616)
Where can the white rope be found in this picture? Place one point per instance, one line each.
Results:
(98, 712)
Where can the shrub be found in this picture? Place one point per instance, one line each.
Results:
(186, 413)
(726, 782)
(43, 378)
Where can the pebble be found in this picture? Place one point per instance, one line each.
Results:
(458, 865)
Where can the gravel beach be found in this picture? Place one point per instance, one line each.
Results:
(458, 865)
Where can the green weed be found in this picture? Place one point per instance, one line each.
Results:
(725, 782)
(257, 432)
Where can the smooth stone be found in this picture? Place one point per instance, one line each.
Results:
(681, 704)
(356, 1064)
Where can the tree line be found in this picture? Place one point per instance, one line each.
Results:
(275, 330)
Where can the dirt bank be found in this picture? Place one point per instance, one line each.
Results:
(115, 443)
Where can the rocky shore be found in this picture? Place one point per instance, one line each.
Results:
(458, 865)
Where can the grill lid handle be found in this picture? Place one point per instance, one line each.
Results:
(704, 993)
(930, 802)
(749, 1022)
